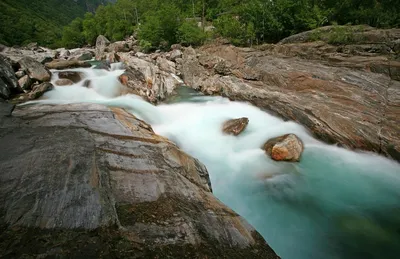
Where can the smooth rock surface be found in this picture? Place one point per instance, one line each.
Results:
(64, 82)
(74, 76)
(85, 181)
(101, 45)
(35, 69)
(284, 148)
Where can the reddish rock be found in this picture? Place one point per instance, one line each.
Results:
(284, 148)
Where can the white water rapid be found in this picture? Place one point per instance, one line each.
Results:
(335, 203)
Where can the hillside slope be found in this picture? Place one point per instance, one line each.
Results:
(26, 21)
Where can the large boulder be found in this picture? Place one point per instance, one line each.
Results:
(25, 83)
(82, 180)
(8, 81)
(151, 81)
(35, 69)
(101, 45)
(284, 148)
(74, 76)
(64, 64)
(235, 126)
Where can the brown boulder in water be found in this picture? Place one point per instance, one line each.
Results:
(235, 126)
(284, 148)
(64, 82)
(71, 75)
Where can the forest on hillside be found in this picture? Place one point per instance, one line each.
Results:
(160, 23)
(25, 21)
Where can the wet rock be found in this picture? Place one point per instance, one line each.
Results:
(105, 64)
(101, 45)
(235, 126)
(32, 46)
(63, 64)
(87, 83)
(64, 82)
(25, 83)
(5, 109)
(39, 90)
(35, 70)
(74, 76)
(3, 47)
(68, 191)
(45, 60)
(284, 148)
(8, 81)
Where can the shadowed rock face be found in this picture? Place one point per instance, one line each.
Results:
(338, 102)
(84, 180)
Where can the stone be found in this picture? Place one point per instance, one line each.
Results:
(153, 82)
(101, 45)
(20, 73)
(45, 60)
(8, 81)
(5, 108)
(87, 83)
(39, 90)
(176, 47)
(84, 180)
(25, 83)
(105, 64)
(64, 64)
(175, 54)
(235, 126)
(284, 148)
(64, 82)
(118, 46)
(32, 46)
(35, 69)
(74, 76)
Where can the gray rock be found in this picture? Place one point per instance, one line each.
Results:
(25, 83)
(20, 73)
(95, 182)
(35, 69)
(63, 64)
(176, 53)
(101, 45)
(5, 109)
(8, 81)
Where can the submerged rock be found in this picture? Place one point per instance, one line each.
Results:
(88, 181)
(284, 148)
(35, 69)
(235, 126)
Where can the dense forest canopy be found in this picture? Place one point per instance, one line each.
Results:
(24, 21)
(160, 23)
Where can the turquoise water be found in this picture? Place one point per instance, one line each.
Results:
(335, 203)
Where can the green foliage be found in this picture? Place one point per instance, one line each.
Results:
(190, 34)
(41, 21)
(164, 22)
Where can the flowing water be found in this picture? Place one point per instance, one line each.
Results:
(335, 203)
